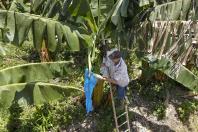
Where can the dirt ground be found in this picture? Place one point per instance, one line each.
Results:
(142, 119)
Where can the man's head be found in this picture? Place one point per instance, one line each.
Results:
(115, 57)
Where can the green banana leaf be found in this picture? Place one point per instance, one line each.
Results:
(196, 10)
(65, 10)
(170, 49)
(101, 8)
(10, 22)
(116, 16)
(36, 4)
(20, 24)
(23, 24)
(2, 18)
(28, 83)
(71, 38)
(33, 72)
(33, 93)
(176, 71)
(19, 6)
(46, 8)
(38, 33)
(51, 35)
(176, 10)
(82, 8)
(144, 2)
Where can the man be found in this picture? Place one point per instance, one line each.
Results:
(119, 75)
(107, 64)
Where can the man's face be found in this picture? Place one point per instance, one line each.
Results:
(116, 61)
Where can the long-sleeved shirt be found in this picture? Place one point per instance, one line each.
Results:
(107, 70)
(120, 73)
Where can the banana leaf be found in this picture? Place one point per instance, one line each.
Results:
(1, 35)
(176, 10)
(33, 93)
(20, 24)
(60, 34)
(51, 36)
(86, 40)
(115, 18)
(101, 8)
(23, 24)
(71, 38)
(34, 72)
(186, 4)
(28, 83)
(196, 10)
(38, 33)
(3, 14)
(65, 10)
(176, 71)
(173, 50)
(10, 21)
(36, 4)
(144, 2)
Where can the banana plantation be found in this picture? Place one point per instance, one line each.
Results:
(47, 46)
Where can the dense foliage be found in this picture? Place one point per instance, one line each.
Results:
(42, 77)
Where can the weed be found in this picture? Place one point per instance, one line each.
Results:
(14, 122)
(105, 121)
(159, 110)
(4, 118)
(46, 117)
(186, 108)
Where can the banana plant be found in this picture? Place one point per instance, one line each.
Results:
(50, 23)
(19, 25)
(53, 31)
(168, 48)
(32, 83)
(176, 10)
(137, 24)
(49, 27)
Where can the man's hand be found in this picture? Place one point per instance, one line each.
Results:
(110, 80)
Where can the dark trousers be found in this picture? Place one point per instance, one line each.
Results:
(121, 91)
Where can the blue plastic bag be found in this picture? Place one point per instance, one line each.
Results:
(89, 85)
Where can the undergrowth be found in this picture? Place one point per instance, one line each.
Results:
(187, 108)
(155, 94)
(60, 114)
(46, 117)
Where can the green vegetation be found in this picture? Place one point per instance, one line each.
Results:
(187, 108)
(154, 93)
(46, 45)
(48, 116)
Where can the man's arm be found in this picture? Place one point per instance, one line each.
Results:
(111, 80)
